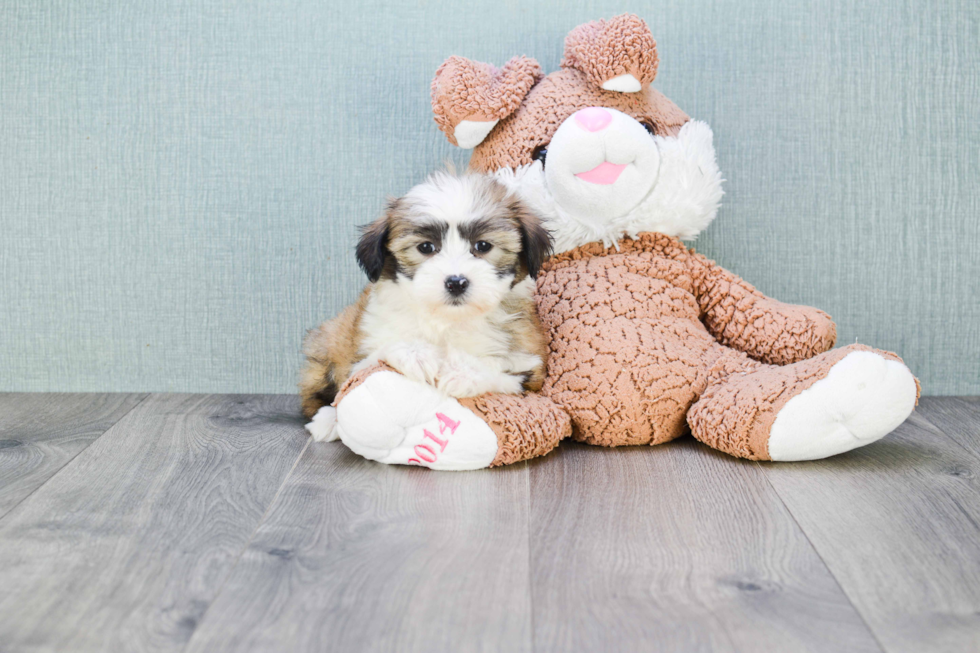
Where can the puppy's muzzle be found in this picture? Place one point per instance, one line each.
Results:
(456, 285)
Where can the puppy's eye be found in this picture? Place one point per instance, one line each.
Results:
(540, 153)
(647, 126)
(426, 247)
(482, 246)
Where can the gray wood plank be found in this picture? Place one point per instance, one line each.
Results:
(675, 548)
(358, 556)
(125, 548)
(898, 524)
(957, 417)
(40, 433)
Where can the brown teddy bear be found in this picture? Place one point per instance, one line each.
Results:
(649, 340)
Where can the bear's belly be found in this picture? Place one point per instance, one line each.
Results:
(629, 354)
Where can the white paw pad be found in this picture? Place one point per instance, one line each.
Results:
(863, 398)
(323, 426)
(395, 420)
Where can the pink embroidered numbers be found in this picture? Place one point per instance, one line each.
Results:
(425, 451)
(446, 423)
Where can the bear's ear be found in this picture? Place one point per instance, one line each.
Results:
(469, 98)
(616, 55)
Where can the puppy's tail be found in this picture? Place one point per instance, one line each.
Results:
(317, 385)
(330, 350)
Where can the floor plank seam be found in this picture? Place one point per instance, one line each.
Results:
(248, 542)
(530, 556)
(68, 462)
(850, 599)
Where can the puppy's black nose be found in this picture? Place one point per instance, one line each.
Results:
(456, 285)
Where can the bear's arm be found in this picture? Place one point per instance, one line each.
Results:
(741, 317)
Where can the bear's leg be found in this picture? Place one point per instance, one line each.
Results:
(383, 416)
(840, 400)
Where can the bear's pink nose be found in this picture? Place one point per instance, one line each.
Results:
(593, 119)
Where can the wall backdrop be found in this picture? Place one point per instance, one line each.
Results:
(180, 181)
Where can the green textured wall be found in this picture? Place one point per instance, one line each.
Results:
(180, 182)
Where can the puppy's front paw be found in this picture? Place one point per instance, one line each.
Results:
(460, 379)
(458, 383)
(509, 384)
(416, 361)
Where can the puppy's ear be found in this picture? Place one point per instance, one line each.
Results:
(372, 248)
(536, 242)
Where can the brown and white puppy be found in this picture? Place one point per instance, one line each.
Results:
(451, 266)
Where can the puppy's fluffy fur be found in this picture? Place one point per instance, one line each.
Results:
(451, 266)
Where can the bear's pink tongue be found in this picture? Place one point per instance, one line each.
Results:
(605, 173)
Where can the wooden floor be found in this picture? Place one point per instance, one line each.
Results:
(208, 523)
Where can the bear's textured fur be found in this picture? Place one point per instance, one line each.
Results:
(648, 339)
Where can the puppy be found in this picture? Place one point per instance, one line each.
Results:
(449, 304)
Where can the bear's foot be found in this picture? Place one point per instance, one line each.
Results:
(864, 397)
(384, 416)
(392, 419)
(840, 400)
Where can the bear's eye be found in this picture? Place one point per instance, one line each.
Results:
(647, 126)
(426, 248)
(482, 246)
(540, 153)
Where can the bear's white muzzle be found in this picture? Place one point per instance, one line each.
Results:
(601, 163)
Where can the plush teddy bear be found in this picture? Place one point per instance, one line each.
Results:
(649, 340)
